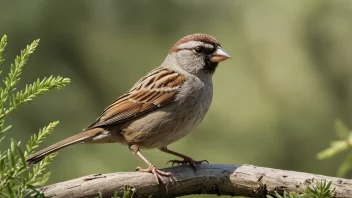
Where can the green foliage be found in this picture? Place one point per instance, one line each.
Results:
(16, 178)
(128, 191)
(338, 146)
(33, 90)
(3, 43)
(321, 190)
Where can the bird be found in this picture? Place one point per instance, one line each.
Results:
(161, 108)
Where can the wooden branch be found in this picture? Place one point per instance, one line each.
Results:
(217, 179)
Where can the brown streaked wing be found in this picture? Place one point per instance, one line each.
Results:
(153, 91)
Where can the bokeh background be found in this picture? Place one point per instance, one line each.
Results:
(275, 101)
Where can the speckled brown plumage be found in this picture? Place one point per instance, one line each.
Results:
(161, 108)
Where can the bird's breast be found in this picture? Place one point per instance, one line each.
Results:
(173, 121)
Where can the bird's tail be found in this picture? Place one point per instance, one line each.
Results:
(79, 138)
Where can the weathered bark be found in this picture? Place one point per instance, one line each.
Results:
(217, 179)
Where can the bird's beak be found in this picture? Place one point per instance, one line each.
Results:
(219, 55)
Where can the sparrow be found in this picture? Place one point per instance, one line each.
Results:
(161, 108)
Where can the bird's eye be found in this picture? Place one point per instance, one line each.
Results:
(199, 49)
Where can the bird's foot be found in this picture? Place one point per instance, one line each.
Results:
(189, 161)
(156, 172)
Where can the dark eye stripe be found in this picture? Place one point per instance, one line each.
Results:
(209, 50)
(199, 49)
(203, 50)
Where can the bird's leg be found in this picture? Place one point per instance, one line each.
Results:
(186, 159)
(151, 168)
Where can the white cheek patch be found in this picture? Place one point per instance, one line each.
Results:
(193, 44)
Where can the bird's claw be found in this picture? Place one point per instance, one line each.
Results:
(157, 173)
(189, 161)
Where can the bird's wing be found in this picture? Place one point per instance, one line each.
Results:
(156, 89)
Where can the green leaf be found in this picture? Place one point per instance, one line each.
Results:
(5, 129)
(128, 191)
(3, 43)
(17, 67)
(335, 147)
(45, 178)
(10, 191)
(13, 181)
(13, 77)
(11, 157)
(321, 190)
(345, 166)
(21, 155)
(33, 90)
(99, 195)
(38, 169)
(341, 130)
(35, 139)
(349, 140)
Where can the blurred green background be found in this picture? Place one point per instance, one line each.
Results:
(275, 101)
